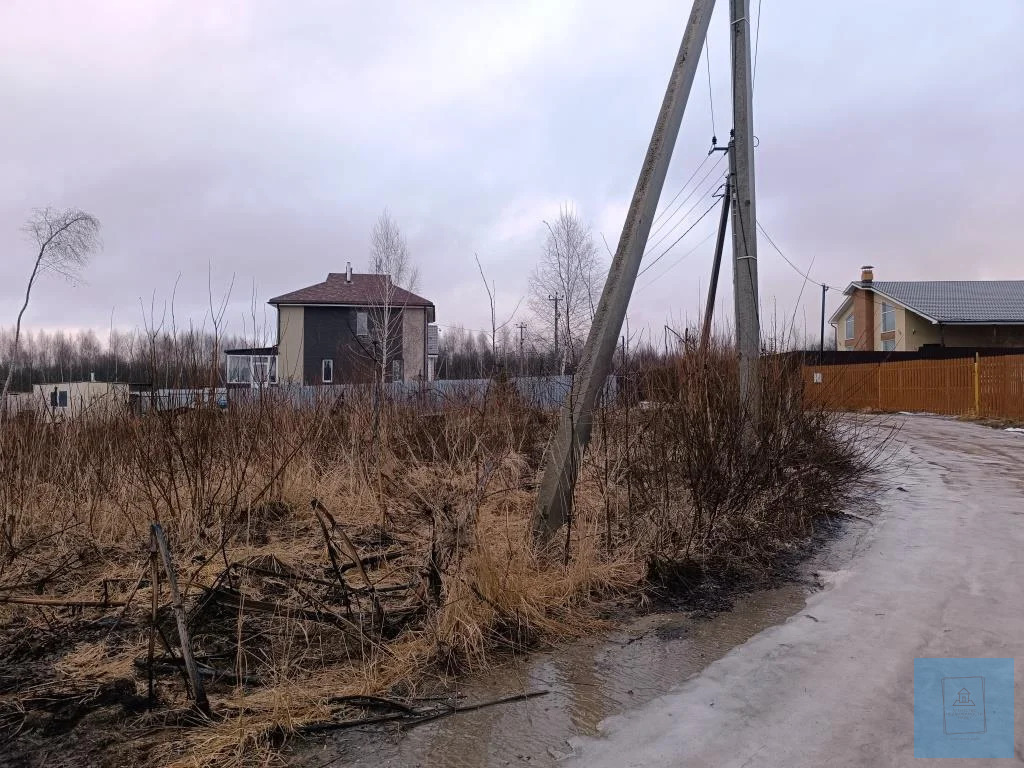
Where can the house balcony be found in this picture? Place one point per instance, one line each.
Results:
(254, 367)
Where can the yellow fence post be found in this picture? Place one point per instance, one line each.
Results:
(977, 385)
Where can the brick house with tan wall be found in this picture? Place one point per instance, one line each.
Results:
(905, 315)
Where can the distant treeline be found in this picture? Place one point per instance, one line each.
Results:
(160, 359)
(466, 354)
(192, 358)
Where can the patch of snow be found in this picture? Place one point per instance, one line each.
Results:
(1014, 429)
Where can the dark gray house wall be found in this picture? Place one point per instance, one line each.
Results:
(330, 333)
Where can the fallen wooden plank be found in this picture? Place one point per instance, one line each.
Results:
(62, 602)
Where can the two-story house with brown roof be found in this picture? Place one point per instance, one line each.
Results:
(349, 328)
(905, 315)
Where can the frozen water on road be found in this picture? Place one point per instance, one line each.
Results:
(941, 575)
(588, 681)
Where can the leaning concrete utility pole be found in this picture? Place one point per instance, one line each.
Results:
(554, 500)
(744, 218)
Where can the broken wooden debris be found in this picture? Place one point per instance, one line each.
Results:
(404, 715)
(198, 692)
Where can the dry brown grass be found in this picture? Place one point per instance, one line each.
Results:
(447, 492)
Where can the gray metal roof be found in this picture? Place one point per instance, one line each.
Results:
(956, 301)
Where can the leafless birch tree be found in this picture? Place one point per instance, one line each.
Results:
(571, 269)
(389, 258)
(66, 240)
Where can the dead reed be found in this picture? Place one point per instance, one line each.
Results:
(328, 553)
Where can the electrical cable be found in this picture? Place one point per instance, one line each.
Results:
(683, 202)
(785, 258)
(676, 241)
(709, 192)
(676, 263)
(692, 175)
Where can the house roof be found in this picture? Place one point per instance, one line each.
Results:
(996, 302)
(364, 290)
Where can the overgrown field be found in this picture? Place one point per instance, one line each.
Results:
(345, 550)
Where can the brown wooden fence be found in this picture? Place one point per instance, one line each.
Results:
(981, 386)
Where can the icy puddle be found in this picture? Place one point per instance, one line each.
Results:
(588, 681)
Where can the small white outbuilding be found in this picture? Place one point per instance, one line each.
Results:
(70, 399)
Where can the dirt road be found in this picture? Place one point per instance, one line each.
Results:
(941, 575)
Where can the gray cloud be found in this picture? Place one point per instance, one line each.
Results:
(261, 141)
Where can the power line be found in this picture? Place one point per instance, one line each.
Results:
(684, 201)
(715, 184)
(676, 241)
(692, 175)
(676, 263)
(785, 258)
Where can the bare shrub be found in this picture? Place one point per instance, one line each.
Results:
(315, 569)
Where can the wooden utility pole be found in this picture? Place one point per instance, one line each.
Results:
(744, 216)
(716, 266)
(554, 499)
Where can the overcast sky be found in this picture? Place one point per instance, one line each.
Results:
(261, 140)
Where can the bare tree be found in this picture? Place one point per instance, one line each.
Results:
(492, 294)
(66, 240)
(571, 269)
(390, 259)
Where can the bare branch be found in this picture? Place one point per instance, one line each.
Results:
(66, 240)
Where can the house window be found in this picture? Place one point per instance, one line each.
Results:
(396, 370)
(261, 369)
(62, 399)
(889, 345)
(888, 317)
(239, 370)
(327, 371)
(362, 324)
(849, 327)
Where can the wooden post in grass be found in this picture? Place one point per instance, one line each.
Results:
(198, 692)
(154, 583)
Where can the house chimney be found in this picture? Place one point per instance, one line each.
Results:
(867, 273)
(348, 271)
(92, 376)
